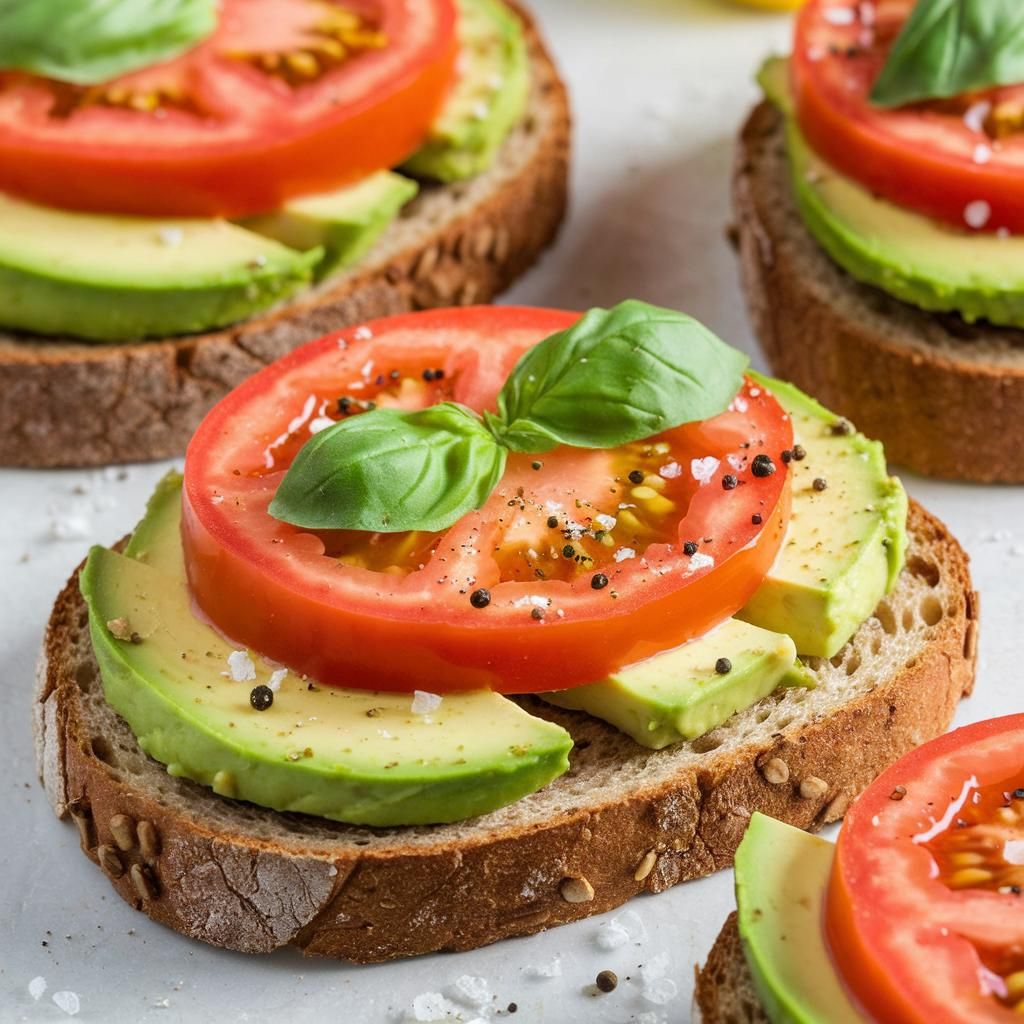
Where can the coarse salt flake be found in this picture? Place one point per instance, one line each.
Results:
(367, 369)
(605, 522)
(977, 213)
(552, 969)
(471, 991)
(623, 553)
(320, 423)
(610, 936)
(704, 469)
(671, 471)
(241, 667)
(68, 1002)
(660, 991)
(72, 527)
(36, 987)
(839, 15)
(982, 153)
(276, 679)
(423, 703)
(701, 561)
(362, 333)
(975, 115)
(431, 1006)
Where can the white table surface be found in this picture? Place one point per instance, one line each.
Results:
(659, 88)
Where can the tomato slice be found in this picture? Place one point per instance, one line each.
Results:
(960, 161)
(395, 611)
(925, 913)
(288, 97)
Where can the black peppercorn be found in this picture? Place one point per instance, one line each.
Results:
(480, 598)
(762, 466)
(820, 483)
(599, 581)
(428, 375)
(537, 613)
(607, 981)
(787, 456)
(536, 464)
(757, 519)
(799, 452)
(690, 547)
(729, 482)
(842, 427)
(552, 522)
(261, 697)
(568, 551)
(723, 666)
(636, 476)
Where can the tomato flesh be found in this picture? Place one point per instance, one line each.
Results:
(959, 161)
(925, 913)
(393, 611)
(287, 98)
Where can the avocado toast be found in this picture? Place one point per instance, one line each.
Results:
(904, 318)
(911, 916)
(122, 331)
(349, 753)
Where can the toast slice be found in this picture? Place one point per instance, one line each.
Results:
(724, 991)
(622, 821)
(69, 403)
(943, 395)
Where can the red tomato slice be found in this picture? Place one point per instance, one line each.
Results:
(960, 161)
(393, 611)
(925, 913)
(288, 97)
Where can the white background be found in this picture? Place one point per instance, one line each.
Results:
(660, 87)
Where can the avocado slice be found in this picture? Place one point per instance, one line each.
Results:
(486, 102)
(116, 278)
(349, 755)
(343, 224)
(782, 876)
(845, 545)
(918, 260)
(679, 695)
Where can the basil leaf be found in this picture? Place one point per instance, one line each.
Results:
(949, 47)
(616, 376)
(86, 42)
(388, 471)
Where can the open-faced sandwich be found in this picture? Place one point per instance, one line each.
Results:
(879, 203)
(190, 190)
(913, 917)
(466, 623)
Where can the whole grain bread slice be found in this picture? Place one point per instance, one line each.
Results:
(943, 395)
(622, 821)
(725, 992)
(67, 403)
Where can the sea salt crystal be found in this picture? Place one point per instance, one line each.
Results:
(671, 471)
(552, 969)
(605, 522)
(701, 561)
(276, 679)
(839, 15)
(70, 527)
(68, 1002)
(171, 237)
(362, 334)
(704, 469)
(36, 987)
(982, 153)
(660, 991)
(611, 935)
(431, 1006)
(423, 703)
(367, 369)
(975, 114)
(977, 213)
(320, 423)
(471, 991)
(240, 667)
(623, 553)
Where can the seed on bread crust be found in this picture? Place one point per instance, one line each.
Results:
(813, 788)
(646, 866)
(576, 890)
(110, 861)
(775, 771)
(82, 817)
(149, 839)
(122, 828)
(144, 882)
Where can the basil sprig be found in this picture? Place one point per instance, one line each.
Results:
(87, 42)
(616, 376)
(949, 47)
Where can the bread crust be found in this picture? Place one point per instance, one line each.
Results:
(76, 404)
(349, 899)
(944, 396)
(724, 991)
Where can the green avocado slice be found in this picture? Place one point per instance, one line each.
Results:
(679, 694)
(918, 260)
(115, 278)
(349, 755)
(845, 545)
(486, 102)
(344, 224)
(782, 876)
